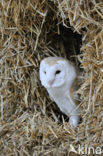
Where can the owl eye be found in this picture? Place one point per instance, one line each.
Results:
(44, 72)
(57, 72)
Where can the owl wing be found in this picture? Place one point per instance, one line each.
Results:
(73, 93)
(51, 97)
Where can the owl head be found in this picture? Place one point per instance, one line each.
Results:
(56, 72)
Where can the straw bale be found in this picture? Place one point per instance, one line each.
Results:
(30, 124)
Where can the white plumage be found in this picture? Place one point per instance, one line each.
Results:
(58, 76)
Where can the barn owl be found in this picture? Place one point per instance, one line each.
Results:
(58, 76)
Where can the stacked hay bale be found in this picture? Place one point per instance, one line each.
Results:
(28, 123)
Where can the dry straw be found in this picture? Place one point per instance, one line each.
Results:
(29, 124)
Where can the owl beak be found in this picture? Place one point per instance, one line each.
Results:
(51, 82)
